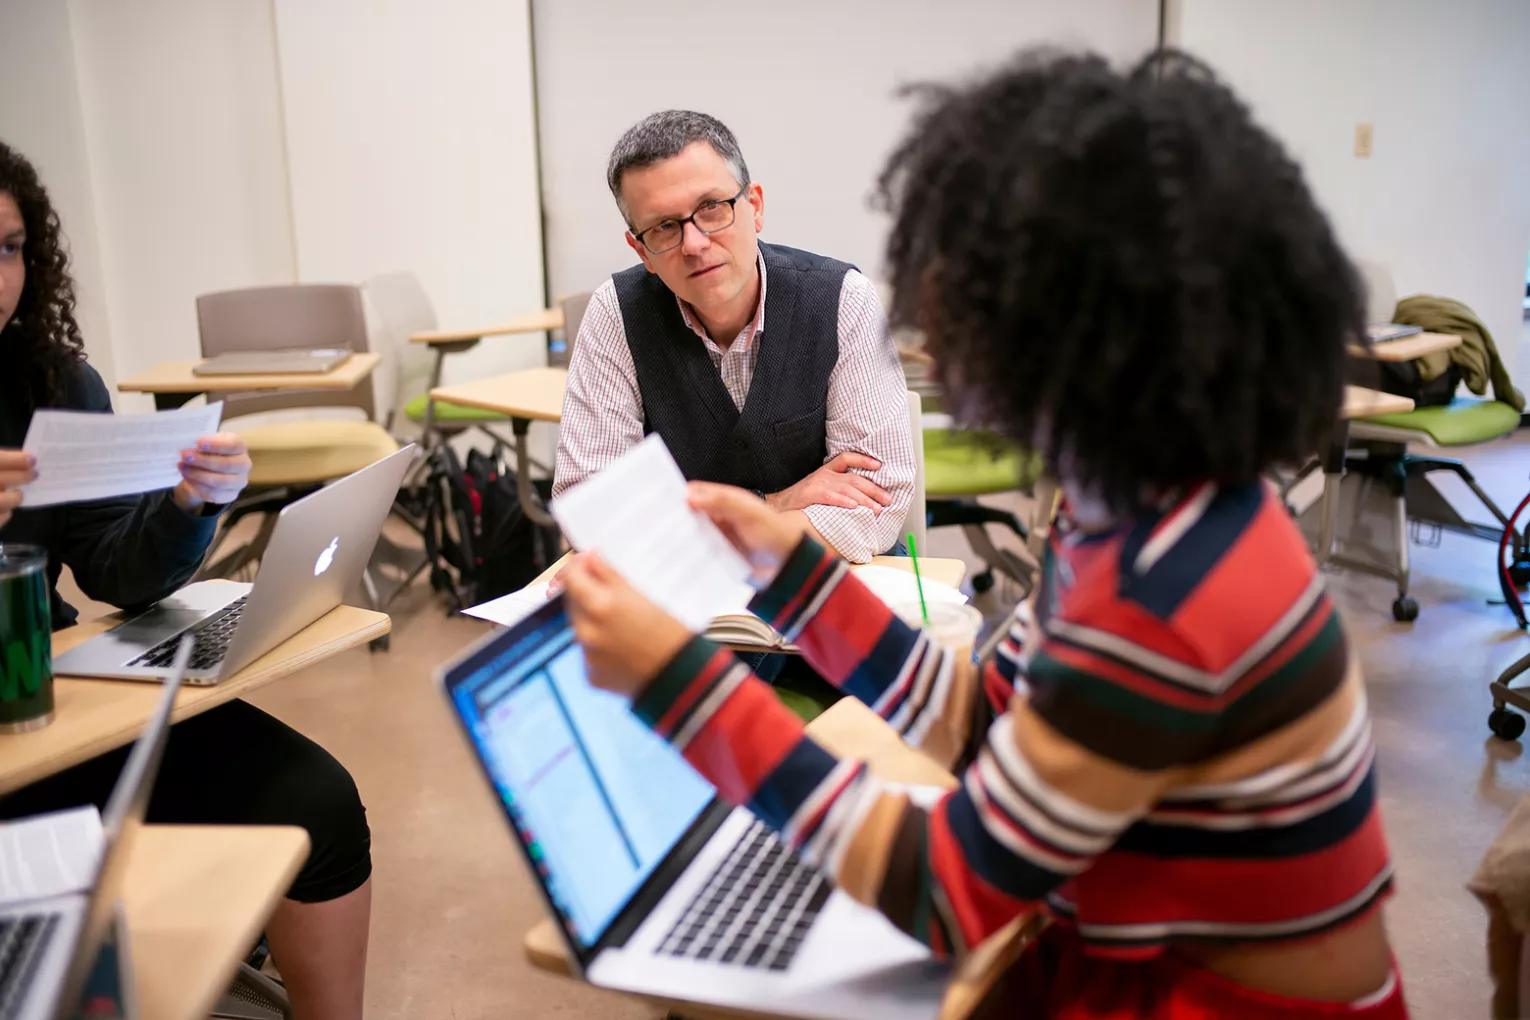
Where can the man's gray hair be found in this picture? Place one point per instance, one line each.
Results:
(661, 136)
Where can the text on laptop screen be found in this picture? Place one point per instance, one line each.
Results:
(598, 798)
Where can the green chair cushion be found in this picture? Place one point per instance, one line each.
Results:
(449, 413)
(803, 706)
(1461, 422)
(958, 463)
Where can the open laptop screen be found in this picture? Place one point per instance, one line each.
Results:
(598, 799)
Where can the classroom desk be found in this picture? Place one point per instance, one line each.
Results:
(534, 322)
(849, 728)
(535, 394)
(532, 394)
(454, 341)
(95, 716)
(1407, 348)
(174, 384)
(196, 898)
(1359, 402)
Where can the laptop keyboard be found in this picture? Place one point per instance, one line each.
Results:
(22, 942)
(212, 637)
(755, 908)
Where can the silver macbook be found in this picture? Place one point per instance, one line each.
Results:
(61, 950)
(658, 886)
(281, 361)
(318, 550)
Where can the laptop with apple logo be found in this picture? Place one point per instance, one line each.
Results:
(318, 550)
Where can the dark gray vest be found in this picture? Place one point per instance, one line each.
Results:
(778, 438)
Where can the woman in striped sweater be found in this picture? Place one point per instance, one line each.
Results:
(1124, 271)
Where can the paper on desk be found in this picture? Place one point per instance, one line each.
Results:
(86, 455)
(635, 515)
(50, 855)
(512, 608)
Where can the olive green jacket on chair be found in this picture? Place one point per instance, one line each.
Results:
(1477, 357)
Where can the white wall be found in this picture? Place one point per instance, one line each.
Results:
(411, 145)
(806, 85)
(42, 120)
(185, 139)
(1445, 199)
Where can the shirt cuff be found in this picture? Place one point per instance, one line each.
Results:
(851, 531)
(800, 588)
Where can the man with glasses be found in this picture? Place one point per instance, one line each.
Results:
(761, 366)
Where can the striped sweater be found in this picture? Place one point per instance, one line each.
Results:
(1186, 751)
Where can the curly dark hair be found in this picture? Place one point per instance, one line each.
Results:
(42, 345)
(1122, 270)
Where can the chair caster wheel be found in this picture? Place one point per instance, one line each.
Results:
(983, 581)
(1506, 725)
(380, 644)
(1405, 609)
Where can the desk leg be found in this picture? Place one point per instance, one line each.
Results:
(170, 401)
(530, 501)
(428, 431)
(1333, 476)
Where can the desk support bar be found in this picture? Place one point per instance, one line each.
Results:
(1333, 468)
(530, 501)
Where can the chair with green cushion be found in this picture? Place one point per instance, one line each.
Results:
(450, 417)
(959, 467)
(403, 307)
(1382, 453)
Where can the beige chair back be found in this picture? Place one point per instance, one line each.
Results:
(295, 315)
(401, 307)
(573, 315)
(1380, 291)
(914, 523)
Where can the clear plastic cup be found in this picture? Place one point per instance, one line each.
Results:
(952, 625)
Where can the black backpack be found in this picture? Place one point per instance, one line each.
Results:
(1402, 378)
(480, 542)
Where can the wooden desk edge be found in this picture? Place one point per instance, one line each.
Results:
(360, 364)
(1407, 348)
(235, 686)
(539, 322)
(284, 846)
(445, 395)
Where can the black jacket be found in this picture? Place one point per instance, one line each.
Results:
(129, 551)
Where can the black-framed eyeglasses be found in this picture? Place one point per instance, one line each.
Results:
(710, 217)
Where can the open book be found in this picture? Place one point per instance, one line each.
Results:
(733, 624)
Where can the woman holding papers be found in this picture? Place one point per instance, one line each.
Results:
(233, 764)
(1123, 271)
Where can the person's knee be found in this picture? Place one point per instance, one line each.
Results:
(330, 808)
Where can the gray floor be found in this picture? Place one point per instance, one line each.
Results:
(453, 900)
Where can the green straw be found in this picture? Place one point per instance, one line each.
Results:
(913, 554)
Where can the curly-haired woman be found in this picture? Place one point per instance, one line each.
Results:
(234, 764)
(1125, 272)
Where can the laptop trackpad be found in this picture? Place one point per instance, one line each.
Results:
(156, 624)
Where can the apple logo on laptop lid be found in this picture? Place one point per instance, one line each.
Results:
(326, 557)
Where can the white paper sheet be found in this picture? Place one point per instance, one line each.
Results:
(635, 515)
(512, 608)
(83, 455)
(50, 855)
